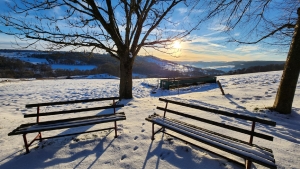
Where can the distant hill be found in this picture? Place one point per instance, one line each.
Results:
(78, 63)
(231, 66)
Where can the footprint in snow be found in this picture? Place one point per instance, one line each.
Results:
(135, 148)
(257, 97)
(163, 155)
(143, 130)
(240, 107)
(123, 157)
(136, 137)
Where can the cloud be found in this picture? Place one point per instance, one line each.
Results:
(206, 39)
(182, 10)
(247, 49)
(216, 45)
(57, 10)
(219, 27)
(185, 10)
(236, 34)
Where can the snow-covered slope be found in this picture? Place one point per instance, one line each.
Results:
(169, 65)
(248, 94)
(26, 57)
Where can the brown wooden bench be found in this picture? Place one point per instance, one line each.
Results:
(70, 122)
(246, 150)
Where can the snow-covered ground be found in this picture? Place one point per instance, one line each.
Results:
(248, 94)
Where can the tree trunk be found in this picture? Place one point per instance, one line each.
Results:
(286, 91)
(126, 64)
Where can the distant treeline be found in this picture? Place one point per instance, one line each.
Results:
(253, 69)
(15, 68)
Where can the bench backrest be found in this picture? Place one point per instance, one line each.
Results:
(244, 117)
(38, 105)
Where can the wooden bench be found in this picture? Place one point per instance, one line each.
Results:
(38, 126)
(246, 150)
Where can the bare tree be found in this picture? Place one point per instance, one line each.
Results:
(121, 28)
(270, 22)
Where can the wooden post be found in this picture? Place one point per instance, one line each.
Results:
(220, 86)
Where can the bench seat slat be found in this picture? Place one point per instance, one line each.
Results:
(228, 142)
(72, 111)
(67, 124)
(260, 135)
(70, 102)
(263, 121)
(69, 119)
(235, 151)
(221, 135)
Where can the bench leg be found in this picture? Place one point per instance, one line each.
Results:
(40, 134)
(116, 130)
(25, 143)
(152, 138)
(248, 164)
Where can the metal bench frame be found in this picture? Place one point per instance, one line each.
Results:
(22, 128)
(251, 132)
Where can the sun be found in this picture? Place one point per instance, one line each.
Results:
(176, 45)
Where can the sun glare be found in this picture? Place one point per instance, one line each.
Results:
(176, 45)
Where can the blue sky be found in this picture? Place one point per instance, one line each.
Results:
(208, 43)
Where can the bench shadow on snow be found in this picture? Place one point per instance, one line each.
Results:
(42, 154)
(287, 126)
(184, 155)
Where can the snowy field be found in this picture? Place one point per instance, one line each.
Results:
(247, 94)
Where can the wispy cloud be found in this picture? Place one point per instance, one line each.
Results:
(247, 48)
(218, 27)
(57, 10)
(206, 39)
(185, 10)
(236, 34)
(182, 10)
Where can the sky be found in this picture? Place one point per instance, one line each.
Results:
(208, 43)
